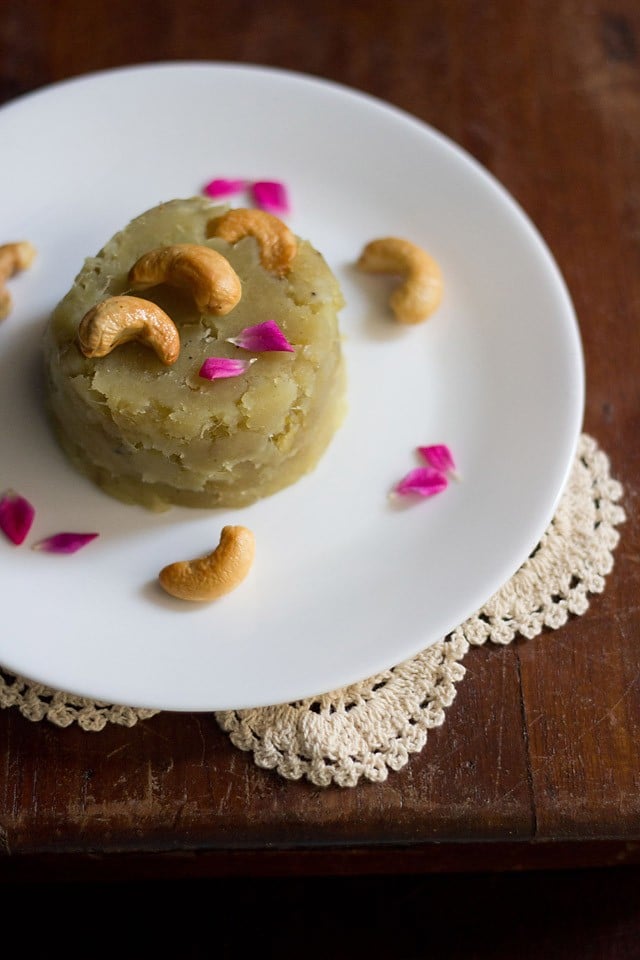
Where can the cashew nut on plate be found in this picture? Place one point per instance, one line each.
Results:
(119, 320)
(278, 245)
(204, 272)
(13, 257)
(420, 293)
(210, 577)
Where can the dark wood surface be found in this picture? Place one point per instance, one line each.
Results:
(538, 762)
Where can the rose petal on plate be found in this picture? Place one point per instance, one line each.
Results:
(218, 368)
(439, 456)
(271, 195)
(65, 542)
(422, 481)
(261, 338)
(16, 516)
(221, 187)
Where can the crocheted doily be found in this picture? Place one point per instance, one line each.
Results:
(373, 726)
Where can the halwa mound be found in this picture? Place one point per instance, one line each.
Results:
(158, 434)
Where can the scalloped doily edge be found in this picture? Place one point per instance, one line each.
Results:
(372, 727)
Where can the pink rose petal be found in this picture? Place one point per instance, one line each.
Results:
(218, 368)
(224, 188)
(439, 456)
(262, 338)
(422, 481)
(16, 516)
(271, 195)
(65, 542)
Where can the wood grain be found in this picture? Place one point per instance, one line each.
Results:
(538, 763)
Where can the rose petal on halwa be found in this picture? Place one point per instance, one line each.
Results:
(217, 368)
(261, 338)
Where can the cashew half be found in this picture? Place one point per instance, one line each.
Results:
(216, 574)
(206, 273)
(13, 257)
(278, 245)
(122, 319)
(421, 293)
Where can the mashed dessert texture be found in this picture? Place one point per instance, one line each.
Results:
(157, 434)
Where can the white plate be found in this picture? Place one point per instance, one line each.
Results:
(344, 583)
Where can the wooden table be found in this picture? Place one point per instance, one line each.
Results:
(538, 763)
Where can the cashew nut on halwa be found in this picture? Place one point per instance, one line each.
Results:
(121, 319)
(278, 245)
(420, 292)
(210, 577)
(13, 257)
(204, 272)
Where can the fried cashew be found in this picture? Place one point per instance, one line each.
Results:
(13, 258)
(278, 245)
(210, 577)
(204, 272)
(122, 319)
(421, 292)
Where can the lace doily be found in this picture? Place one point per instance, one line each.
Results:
(374, 726)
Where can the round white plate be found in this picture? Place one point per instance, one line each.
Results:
(345, 583)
